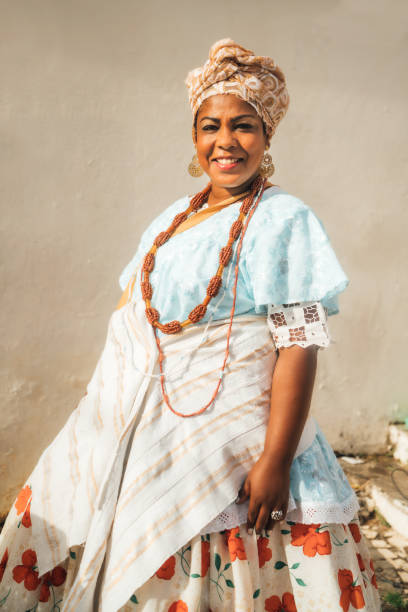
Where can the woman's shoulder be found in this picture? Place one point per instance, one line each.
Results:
(172, 209)
(288, 255)
(161, 221)
(276, 202)
(278, 213)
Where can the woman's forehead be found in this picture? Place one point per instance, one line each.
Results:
(221, 104)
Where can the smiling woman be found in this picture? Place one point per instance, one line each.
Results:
(231, 139)
(192, 476)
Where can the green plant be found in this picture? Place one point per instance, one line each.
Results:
(396, 600)
(381, 519)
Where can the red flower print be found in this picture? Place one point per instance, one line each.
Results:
(166, 571)
(205, 557)
(355, 532)
(54, 578)
(27, 571)
(264, 553)
(235, 545)
(360, 562)
(178, 606)
(226, 533)
(350, 594)
(22, 499)
(373, 578)
(23, 504)
(274, 604)
(3, 564)
(26, 520)
(311, 539)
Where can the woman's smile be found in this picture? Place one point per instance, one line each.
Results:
(227, 163)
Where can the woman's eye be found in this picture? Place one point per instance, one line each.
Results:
(241, 126)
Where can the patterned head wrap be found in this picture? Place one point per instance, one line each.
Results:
(232, 69)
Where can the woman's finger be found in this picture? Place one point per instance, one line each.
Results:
(243, 493)
(270, 524)
(252, 515)
(262, 519)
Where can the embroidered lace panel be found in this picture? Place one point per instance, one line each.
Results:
(302, 323)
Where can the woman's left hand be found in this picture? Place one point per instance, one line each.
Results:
(267, 488)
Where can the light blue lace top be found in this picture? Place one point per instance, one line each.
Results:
(286, 257)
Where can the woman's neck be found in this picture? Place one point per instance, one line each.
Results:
(219, 194)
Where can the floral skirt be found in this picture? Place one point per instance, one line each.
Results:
(308, 568)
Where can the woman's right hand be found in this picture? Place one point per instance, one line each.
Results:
(267, 488)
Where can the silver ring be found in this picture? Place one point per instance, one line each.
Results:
(276, 515)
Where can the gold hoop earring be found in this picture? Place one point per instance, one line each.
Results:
(266, 169)
(194, 167)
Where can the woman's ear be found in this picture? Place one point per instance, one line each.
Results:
(266, 137)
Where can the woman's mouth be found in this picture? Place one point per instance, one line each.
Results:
(227, 163)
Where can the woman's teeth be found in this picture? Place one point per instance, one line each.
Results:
(227, 162)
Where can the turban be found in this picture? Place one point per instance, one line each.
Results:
(232, 69)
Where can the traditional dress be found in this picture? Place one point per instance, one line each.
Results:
(132, 507)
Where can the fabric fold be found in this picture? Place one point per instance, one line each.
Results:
(134, 467)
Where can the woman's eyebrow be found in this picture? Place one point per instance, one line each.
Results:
(242, 116)
(210, 118)
(233, 118)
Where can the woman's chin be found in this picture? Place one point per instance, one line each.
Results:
(229, 181)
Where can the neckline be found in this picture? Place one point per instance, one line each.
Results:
(203, 213)
(266, 192)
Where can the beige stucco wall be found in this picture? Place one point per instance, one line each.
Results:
(95, 132)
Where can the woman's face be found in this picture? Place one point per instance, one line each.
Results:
(230, 140)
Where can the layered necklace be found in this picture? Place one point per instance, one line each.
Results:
(237, 230)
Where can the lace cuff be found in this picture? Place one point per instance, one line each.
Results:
(302, 323)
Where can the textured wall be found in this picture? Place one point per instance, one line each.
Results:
(95, 131)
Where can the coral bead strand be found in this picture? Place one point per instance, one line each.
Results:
(198, 312)
(214, 285)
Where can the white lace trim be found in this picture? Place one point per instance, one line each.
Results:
(325, 513)
(233, 515)
(306, 514)
(301, 323)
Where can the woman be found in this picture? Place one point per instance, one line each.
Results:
(191, 475)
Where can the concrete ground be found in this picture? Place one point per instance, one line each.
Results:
(388, 543)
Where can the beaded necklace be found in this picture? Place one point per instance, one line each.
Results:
(237, 229)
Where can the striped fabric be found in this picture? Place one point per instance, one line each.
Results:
(133, 481)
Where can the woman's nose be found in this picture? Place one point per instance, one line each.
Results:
(225, 137)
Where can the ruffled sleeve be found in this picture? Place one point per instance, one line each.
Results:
(289, 257)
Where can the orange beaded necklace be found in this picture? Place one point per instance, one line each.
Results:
(238, 228)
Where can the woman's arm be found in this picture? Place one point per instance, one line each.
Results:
(267, 484)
